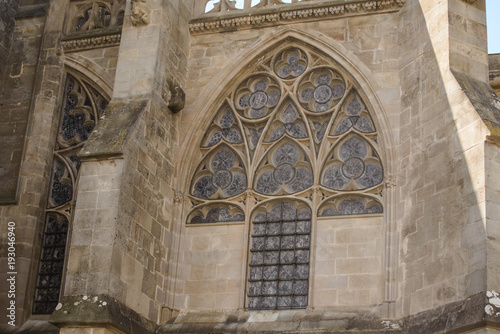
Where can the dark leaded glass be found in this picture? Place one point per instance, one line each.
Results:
(307, 94)
(62, 185)
(287, 153)
(353, 167)
(218, 214)
(224, 159)
(344, 125)
(204, 187)
(266, 184)
(364, 124)
(255, 135)
(302, 181)
(257, 96)
(350, 206)
(222, 178)
(354, 107)
(223, 175)
(51, 263)
(373, 175)
(277, 133)
(279, 258)
(215, 138)
(353, 147)
(320, 129)
(237, 186)
(334, 178)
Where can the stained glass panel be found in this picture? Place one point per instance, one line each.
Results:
(279, 258)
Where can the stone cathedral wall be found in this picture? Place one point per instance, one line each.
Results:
(144, 255)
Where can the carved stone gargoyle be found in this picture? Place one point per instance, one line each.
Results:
(140, 12)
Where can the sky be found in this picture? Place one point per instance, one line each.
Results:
(492, 10)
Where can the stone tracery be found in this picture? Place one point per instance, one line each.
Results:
(267, 127)
(296, 131)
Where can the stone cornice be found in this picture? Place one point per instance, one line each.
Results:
(78, 44)
(287, 14)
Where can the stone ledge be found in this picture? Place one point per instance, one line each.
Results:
(99, 311)
(454, 317)
(37, 327)
(100, 38)
(255, 18)
(26, 12)
(111, 133)
(286, 321)
(483, 98)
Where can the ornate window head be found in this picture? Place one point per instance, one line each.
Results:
(294, 141)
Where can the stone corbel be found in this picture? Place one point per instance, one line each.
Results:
(174, 96)
(140, 12)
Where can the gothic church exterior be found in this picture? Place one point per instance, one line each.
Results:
(272, 166)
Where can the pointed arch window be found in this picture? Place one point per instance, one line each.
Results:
(293, 141)
(81, 110)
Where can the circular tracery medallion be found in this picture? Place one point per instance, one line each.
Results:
(353, 168)
(322, 93)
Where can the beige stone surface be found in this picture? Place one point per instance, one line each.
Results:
(436, 242)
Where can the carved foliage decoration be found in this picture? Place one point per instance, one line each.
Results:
(82, 107)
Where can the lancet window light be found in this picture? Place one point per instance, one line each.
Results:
(81, 110)
(293, 141)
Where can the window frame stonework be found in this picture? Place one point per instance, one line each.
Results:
(313, 94)
(82, 106)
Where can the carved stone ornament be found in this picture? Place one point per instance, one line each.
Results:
(140, 13)
(276, 12)
(178, 196)
(174, 96)
(91, 42)
(177, 99)
(471, 1)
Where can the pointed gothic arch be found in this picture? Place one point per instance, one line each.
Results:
(293, 117)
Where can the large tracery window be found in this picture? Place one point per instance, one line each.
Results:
(82, 107)
(292, 142)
